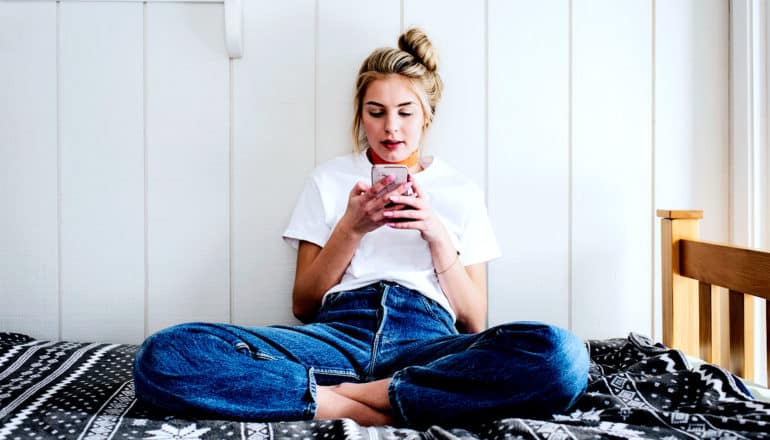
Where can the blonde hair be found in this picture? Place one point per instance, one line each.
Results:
(416, 60)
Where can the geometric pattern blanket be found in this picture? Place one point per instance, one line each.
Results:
(637, 390)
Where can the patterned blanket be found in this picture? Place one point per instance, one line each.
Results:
(636, 390)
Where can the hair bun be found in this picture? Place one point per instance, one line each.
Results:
(416, 43)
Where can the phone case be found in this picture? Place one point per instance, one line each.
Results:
(400, 172)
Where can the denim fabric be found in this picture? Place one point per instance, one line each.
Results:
(382, 330)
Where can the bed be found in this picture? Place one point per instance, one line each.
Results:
(637, 388)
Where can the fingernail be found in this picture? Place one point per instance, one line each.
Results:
(393, 198)
(390, 178)
(387, 214)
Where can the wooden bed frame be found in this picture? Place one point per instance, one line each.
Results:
(708, 291)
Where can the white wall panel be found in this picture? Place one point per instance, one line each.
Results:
(274, 152)
(459, 131)
(29, 266)
(187, 164)
(102, 172)
(347, 33)
(691, 117)
(612, 167)
(529, 160)
(749, 147)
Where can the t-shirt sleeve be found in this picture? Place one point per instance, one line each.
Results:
(478, 243)
(308, 220)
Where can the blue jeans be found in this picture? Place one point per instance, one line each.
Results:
(381, 330)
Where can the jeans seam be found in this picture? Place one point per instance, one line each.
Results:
(378, 333)
(337, 372)
(311, 407)
(255, 355)
(395, 403)
(264, 357)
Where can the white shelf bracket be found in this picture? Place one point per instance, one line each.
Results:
(234, 27)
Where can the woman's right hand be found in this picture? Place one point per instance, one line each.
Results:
(366, 205)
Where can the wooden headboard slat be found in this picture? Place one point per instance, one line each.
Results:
(705, 325)
(737, 336)
(737, 269)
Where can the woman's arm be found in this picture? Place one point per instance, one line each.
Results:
(464, 286)
(320, 268)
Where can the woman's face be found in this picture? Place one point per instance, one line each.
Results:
(392, 118)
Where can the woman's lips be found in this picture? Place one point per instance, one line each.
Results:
(392, 145)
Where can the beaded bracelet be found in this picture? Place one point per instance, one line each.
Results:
(457, 258)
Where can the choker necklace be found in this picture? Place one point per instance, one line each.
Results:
(410, 161)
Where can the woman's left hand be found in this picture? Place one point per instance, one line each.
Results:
(416, 214)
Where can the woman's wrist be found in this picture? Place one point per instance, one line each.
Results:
(444, 254)
(454, 262)
(347, 231)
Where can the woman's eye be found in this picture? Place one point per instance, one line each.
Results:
(405, 114)
(376, 114)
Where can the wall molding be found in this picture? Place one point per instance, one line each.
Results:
(749, 138)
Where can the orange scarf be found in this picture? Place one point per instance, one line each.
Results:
(410, 161)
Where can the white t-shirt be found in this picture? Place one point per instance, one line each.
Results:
(387, 254)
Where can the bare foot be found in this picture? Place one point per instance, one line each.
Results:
(373, 394)
(336, 406)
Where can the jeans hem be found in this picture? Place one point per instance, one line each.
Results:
(395, 404)
(311, 407)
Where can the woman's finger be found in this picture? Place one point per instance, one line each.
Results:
(415, 187)
(404, 214)
(381, 187)
(418, 225)
(410, 201)
(402, 189)
(359, 187)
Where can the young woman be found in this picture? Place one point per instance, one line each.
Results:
(383, 280)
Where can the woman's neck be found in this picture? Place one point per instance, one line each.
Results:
(412, 162)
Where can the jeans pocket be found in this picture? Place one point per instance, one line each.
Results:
(331, 299)
(254, 352)
(438, 313)
(367, 296)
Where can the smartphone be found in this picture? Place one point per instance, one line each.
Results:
(401, 174)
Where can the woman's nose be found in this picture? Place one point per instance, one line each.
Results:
(391, 125)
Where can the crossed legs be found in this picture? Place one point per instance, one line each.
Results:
(366, 403)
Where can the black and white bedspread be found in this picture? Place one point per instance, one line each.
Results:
(74, 390)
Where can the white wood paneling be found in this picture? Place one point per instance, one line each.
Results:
(691, 117)
(741, 117)
(529, 160)
(102, 172)
(29, 266)
(762, 183)
(274, 152)
(458, 134)
(611, 167)
(347, 33)
(187, 111)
